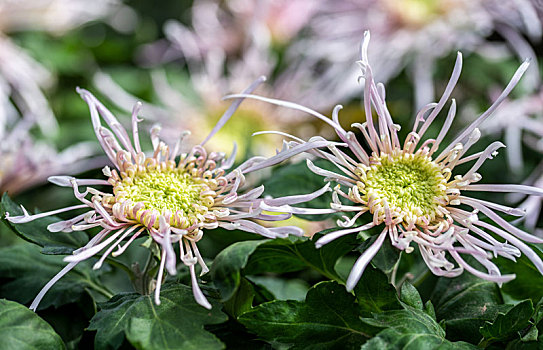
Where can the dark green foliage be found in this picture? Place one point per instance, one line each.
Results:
(327, 319)
(22, 329)
(177, 323)
(24, 272)
(36, 231)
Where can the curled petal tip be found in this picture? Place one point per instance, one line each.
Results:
(171, 267)
(64, 181)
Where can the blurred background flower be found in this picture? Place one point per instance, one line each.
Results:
(28, 159)
(410, 34)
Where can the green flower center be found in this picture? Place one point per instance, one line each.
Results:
(410, 184)
(172, 190)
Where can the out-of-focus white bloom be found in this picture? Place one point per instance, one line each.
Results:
(25, 162)
(53, 16)
(521, 121)
(22, 78)
(224, 51)
(173, 200)
(409, 188)
(412, 33)
(228, 26)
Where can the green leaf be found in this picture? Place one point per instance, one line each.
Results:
(508, 325)
(464, 304)
(22, 329)
(226, 269)
(528, 282)
(328, 319)
(24, 271)
(295, 254)
(36, 231)
(538, 313)
(386, 258)
(177, 323)
(242, 300)
(410, 295)
(409, 328)
(279, 256)
(282, 289)
(374, 293)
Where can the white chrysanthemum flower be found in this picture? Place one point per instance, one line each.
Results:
(409, 33)
(26, 162)
(208, 82)
(224, 49)
(173, 201)
(410, 188)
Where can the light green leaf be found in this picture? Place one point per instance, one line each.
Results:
(374, 293)
(242, 300)
(22, 329)
(528, 282)
(282, 289)
(226, 268)
(177, 323)
(279, 256)
(295, 254)
(410, 295)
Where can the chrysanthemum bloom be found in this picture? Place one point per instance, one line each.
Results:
(409, 33)
(171, 200)
(410, 189)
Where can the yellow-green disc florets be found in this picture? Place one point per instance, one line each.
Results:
(163, 190)
(412, 186)
(184, 194)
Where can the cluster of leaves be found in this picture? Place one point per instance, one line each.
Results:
(281, 293)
